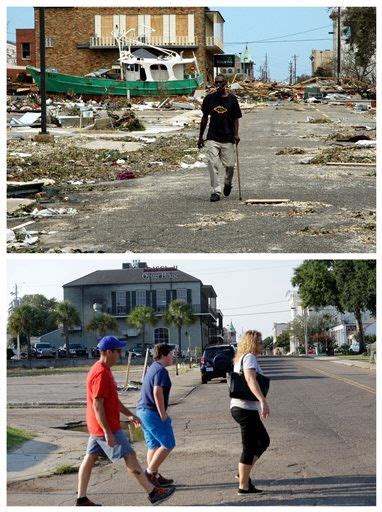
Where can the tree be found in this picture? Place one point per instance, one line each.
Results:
(268, 342)
(359, 26)
(67, 316)
(302, 78)
(25, 319)
(283, 340)
(139, 318)
(46, 306)
(348, 285)
(101, 323)
(179, 313)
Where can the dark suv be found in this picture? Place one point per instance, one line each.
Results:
(216, 362)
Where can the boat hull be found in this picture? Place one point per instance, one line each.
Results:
(61, 83)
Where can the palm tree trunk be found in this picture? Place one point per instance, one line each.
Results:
(360, 332)
(179, 341)
(143, 340)
(66, 334)
(29, 349)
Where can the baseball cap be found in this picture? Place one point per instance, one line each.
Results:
(110, 342)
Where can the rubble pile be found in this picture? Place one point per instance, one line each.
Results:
(349, 154)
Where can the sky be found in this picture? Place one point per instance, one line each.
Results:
(246, 24)
(251, 293)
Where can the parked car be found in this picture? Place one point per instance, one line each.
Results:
(43, 350)
(216, 362)
(75, 350)
(311, 350)
(95, 351)
(10, 353)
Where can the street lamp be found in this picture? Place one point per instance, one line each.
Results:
(188, 347)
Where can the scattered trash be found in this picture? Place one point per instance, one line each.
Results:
(291, 151)
(120, 161)
(52, 212)
(195, 165)
(318, 120)
(366, 143)
(156, 163)
(28, 119)
(128, 175)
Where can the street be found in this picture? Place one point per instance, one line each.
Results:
(323, 444)
(330, 207)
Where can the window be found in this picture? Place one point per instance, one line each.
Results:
(26, 51)
(141, 298)
(49, 41)
(120, 298)
(161, 299)
(229, 70)
(182, 294)
(161, 335)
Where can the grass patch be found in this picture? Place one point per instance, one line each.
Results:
(66, 469)
(16, 437)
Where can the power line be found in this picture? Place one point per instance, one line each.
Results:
(284, 41)
(255, 305)
(262, 313)
(290, 35)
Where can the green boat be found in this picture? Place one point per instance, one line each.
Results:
(69, 84)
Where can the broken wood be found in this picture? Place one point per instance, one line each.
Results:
(266, 201)
(351, 164)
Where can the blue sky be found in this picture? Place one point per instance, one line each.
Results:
(250, 24)
(251, 293)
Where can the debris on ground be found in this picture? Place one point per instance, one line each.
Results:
(291, 151)
(52, 212)
(318, 120)
(208, 221)
(350, 154)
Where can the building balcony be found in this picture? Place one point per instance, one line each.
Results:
(97, 43)
(214, 43)
(197, 309)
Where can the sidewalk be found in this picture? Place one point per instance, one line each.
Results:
(54, 446)
(347, 362)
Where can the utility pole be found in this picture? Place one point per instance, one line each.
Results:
(290, 72)
(306, 330)
(42, 70)
(15, 304)
(294, 57)
(338, 44)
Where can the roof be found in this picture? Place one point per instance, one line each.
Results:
(246, 56)
(128, 276)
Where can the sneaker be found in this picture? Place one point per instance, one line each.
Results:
(227, 189)
(85, 502)
(161, 494)
(164, 482)
(152, 478)
(251, 490)
(214, 197)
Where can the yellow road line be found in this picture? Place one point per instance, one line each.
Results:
(322, 113)
(343, 379)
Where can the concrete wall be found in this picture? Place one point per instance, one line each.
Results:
(69, 26)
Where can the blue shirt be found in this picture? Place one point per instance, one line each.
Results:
(157, 375)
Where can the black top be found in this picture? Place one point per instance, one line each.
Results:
(223, 112)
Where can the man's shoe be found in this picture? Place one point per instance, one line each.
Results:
(214, 197)
(161, 494)
(85, 502)
(164, 482)
(227, 190)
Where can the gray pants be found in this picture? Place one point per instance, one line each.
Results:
(220, 154)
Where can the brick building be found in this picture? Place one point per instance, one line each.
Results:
(25, 47)
(79, 39)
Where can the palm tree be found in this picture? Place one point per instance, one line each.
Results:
(67, 316)
(139, 318)
(179, 313)
(101, 323)
(25, 319)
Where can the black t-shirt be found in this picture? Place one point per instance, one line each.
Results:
(222, 111)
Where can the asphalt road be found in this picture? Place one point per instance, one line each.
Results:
(322, 429)
(331, 210)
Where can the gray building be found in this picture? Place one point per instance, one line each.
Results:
(119, 291)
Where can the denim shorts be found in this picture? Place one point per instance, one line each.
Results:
(98, 446)
(155, 431)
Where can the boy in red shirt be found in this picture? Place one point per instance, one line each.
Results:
(107, 438)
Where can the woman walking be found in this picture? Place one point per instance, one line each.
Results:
(249, 413)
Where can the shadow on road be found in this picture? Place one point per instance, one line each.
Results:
(28, 455)
(326, 491)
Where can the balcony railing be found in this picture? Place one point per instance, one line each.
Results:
(197, 309)
(215, 42)
(110, 42)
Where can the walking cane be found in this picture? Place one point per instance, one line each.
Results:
(238, 170)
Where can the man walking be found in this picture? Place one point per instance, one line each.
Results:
(107, 438)
(152, 411)
(223, 109)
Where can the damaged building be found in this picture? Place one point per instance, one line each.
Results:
(81, 41)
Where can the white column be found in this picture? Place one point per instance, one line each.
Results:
(166, 28)
(97, 25)
(141, 22)
(172, 28)
(116, 23)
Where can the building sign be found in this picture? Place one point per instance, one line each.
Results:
(160, 273)
(224, 60)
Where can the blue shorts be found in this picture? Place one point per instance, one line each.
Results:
(98, 446)
(155, 431)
